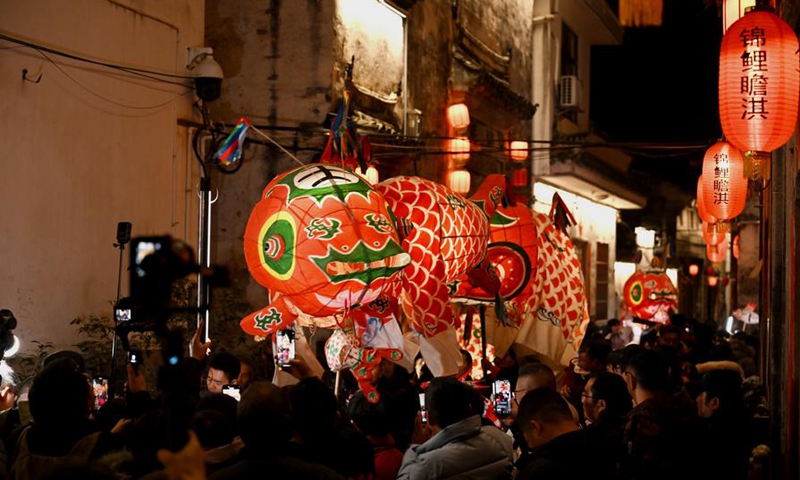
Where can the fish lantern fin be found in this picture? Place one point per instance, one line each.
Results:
(275, 316)
(560, 215)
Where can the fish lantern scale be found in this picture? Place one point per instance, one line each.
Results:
(758, 82)
(724, 185)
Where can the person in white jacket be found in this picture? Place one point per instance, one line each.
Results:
(461, 447)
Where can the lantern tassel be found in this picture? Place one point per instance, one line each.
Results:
(640, 13)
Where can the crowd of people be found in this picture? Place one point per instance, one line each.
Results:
(680, 404)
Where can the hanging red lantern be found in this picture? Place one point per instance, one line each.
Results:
(724, 185)
(758, 82)
(714, 233)
(716, 253)
(518, 150)
(520, 177)
(458, 116)
(702, 211)
(458, 149)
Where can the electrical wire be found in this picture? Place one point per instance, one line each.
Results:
(114, 102)
(89, 60)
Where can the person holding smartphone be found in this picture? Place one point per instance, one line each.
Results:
(223, 369)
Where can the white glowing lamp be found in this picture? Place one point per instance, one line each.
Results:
(519, 150)
(459, 181)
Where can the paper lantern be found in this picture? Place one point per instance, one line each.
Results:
(735, 247)
(702, 211)
(372, 175)
(758, 82)
(458, 116)
(724, 185)
(650, 295)
(519, 151)
(459, 181)
(716, 253)
(520, 177)
(458, 150)
(712, 281)
(322, 241)
(694, 269)
(560, 312)
(513, 254)
(714, 233)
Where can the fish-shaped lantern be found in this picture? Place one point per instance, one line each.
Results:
(322, 241)
(650, 295)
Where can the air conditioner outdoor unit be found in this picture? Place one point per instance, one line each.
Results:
(569, 91)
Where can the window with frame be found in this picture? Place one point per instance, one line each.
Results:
(601, 281)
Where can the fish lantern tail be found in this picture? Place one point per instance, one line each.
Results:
(275, 316)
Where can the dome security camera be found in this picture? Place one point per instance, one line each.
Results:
(208, 74)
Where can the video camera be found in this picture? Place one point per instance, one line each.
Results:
(155, 264)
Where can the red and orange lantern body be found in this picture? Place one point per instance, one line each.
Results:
(724, 186)
(759, 82)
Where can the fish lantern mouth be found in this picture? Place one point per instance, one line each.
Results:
(392, 263)
(363, 264)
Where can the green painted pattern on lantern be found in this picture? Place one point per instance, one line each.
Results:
(501, 220)
(363, 255)
(323, 181)
(636, 293)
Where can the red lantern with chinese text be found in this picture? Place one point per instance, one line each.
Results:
(724, 185)
(758, 82)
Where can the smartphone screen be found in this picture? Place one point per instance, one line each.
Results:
(134, 357)
(422, 410)
(122, 314)
(100, 389)
(284, 347)
(234, 391)
(502, 397)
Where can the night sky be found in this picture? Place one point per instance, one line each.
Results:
(660, 87)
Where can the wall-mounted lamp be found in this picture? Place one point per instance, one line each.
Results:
(208, 74)
(712, 281)
(694, 269)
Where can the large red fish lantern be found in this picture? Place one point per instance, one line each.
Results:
(446, 236)
(512, 255)
(322, 241)
(650, 295)
(558, 307)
